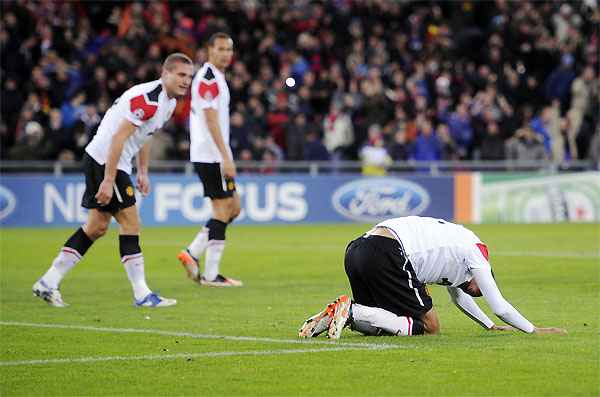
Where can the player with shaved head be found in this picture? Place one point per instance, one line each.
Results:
(124, 132)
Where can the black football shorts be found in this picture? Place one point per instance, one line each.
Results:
(123, 191)
(216, 185)
(381, 276)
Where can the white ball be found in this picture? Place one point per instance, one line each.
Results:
(290, 82)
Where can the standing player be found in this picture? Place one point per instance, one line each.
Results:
(388, 269)
(124, 132)
(213, 161)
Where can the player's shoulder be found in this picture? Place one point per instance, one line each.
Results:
(208, 72)
(143, 99)
(208, 87)
(151, 89)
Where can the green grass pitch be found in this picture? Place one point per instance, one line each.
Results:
(243, 341)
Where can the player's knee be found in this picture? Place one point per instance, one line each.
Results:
(130, 229)
(96, 230)
(431, 326)
(234, 211)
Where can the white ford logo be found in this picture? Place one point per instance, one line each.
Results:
(373, 200)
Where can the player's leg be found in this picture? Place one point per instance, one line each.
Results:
(399, 301)
(235, 208)
(431, 323)
(335, 315)
(320, 322)
(211, 239)
(222, 213)
(77, 245)
(69, 255)
(133, 259)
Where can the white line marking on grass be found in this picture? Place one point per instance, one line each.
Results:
(207, 336)
(566, 255)
(154, 357)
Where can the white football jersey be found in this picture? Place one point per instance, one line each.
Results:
(440, 252)
(209, 91)
(145, 105)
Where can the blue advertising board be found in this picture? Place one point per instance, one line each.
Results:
(44, 200)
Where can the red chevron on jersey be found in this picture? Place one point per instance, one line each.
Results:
(208, 91)
(142, 108)
(484, 251)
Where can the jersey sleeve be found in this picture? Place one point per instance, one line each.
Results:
(467, 305)
(477, 256)
(208, 90)
(498, 304)
(139, 108)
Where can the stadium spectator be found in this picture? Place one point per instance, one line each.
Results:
(461, 131)
(449, 149)
(314, 149)
(582, 92)
(374, 155)
(427, 146)
(399, 149)
(526, 145)
(338, 131)
(492, 145)
(540, 125)
(294, 137)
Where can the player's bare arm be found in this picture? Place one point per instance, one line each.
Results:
(143, 159)
(212, 121)
(105, 191)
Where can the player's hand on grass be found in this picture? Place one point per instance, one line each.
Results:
(105, 192)
(229, 168)
(502, 328)
(143, 183)
(549, 330)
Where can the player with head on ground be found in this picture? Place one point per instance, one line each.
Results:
(124, 132)
(388, 268)
(213, 161)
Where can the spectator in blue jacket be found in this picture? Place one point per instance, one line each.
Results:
(540, 125)
(461, 131)
(427, 146)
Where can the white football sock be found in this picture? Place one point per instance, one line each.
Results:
(134, 266)
(380, 318)
(66, 259)
(364, 328)
(214, 252)
(198, 245)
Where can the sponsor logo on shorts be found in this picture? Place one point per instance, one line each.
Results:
(8, 202)
(373, 200)
(129, 191)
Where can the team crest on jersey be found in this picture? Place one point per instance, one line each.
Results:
(139, 113)
(208, 88)
(144, 106)
(129, 191)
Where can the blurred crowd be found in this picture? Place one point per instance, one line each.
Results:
(376, 80)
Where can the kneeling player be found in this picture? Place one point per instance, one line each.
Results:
(124, 132)
(388, 269)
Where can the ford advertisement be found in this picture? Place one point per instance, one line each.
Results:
(34, 200)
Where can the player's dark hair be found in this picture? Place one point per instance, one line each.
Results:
(215, 36)
(176, 57)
